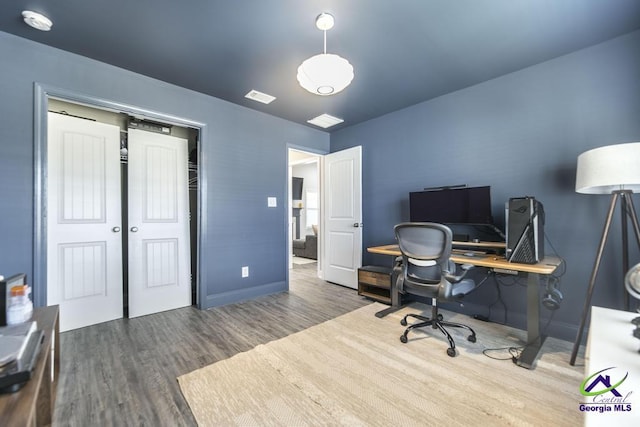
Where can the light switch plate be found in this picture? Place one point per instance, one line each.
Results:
(272, 202)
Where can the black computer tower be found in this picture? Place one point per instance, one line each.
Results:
(525, 230)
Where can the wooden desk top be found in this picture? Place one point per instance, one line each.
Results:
(547, 266)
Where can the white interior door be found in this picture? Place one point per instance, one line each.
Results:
(342, 229)
(159, 257)
(84, 246)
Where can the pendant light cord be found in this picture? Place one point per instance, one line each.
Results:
(325, 41)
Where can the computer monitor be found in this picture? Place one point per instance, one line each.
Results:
(466, 210)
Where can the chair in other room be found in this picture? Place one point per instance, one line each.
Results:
(427, 271)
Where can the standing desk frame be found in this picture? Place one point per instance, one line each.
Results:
(534, 273)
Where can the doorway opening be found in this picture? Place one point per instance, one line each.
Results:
(304, 208)
(339, 221)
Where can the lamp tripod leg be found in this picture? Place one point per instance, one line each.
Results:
(625, 247)
(592, 281)
(629, 213)
(634, 219)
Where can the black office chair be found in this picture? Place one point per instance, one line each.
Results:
(427, 271)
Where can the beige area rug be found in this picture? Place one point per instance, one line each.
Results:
(354, 371)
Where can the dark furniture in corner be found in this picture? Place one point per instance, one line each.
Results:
(427, 271)
(307, 247)
(374, 282)
(33, 404)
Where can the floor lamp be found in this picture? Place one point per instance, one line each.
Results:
(615, 170)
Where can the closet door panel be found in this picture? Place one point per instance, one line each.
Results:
(159, 252)
(84, 250)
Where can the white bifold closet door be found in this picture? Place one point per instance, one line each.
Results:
(84, 222)
(84, 241)
(158, 213)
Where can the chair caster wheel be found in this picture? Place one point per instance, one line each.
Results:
(471, 338)
(403, 322)
(451, 352)
(403, 339)
(440, 317)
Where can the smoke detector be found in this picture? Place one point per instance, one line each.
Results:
(37, 20)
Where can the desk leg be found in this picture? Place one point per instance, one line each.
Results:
(534, 339)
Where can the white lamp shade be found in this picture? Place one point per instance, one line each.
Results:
(325, 74)
(606, 169)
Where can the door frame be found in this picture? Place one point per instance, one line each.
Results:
(42, 93)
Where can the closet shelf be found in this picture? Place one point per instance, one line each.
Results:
(193, 176)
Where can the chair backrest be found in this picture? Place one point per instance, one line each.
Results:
(425, 248)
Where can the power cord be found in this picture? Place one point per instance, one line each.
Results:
(514, 352)
(484, 279)
(563, 262)
(554, 279)
(497, 281)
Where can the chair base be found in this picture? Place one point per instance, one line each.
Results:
(436, 322)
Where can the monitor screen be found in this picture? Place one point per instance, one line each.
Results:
(468, 205)
(467, 211)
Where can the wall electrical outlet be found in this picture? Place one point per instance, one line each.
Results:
(245, 271)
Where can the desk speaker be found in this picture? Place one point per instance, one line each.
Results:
(525, 230)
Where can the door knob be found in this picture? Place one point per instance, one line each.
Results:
(357, 224)
(116, 229)
(134, 229)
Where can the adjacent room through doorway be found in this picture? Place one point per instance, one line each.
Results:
(304, 202)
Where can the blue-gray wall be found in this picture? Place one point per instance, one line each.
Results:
(245, 152)
(521, 134)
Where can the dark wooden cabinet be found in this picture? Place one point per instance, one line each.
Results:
(33, 404)
(375, 282)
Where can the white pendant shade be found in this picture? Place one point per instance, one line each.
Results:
(325, 74)
(606, 169)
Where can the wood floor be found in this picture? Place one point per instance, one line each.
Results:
(124, 372)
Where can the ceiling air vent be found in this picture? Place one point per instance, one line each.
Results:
(325, 121)
(259, 96)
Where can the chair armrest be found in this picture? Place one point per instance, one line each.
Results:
(455, 279)
(398, 273)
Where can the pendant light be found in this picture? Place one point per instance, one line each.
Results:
(325, 74)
